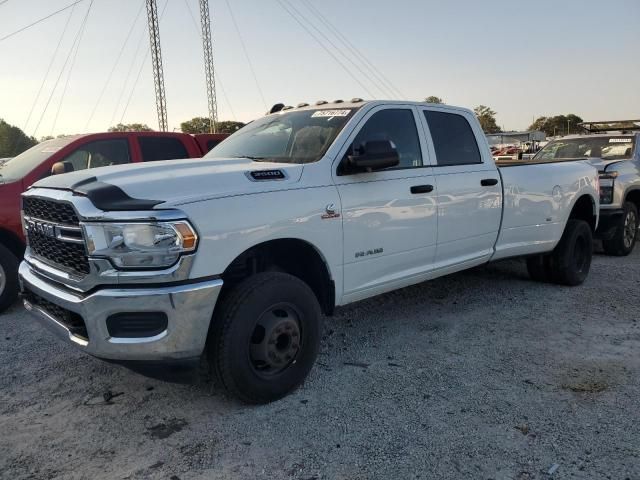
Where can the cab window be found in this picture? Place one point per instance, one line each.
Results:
(162, 148)
(101, 153)
(397, 126)
(453, 139)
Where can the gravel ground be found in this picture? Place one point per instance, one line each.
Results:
(482, 374)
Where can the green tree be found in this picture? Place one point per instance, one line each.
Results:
(433, 99)
(202, 124)
(558, 125)
(13, 141)
(131, 127)
(487, 119)
(229, 126)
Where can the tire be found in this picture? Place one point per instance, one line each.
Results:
(570, 261)
(265, 337)
(539, 267)
(624, 238)
(8, 278)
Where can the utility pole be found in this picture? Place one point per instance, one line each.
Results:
(156, 61)
(208, 65)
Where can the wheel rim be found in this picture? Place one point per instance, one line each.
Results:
(580, 254)
(630, 227)
(3, 280)
(276, 340)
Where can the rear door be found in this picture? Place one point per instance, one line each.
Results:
(389, 216)
(469, 187)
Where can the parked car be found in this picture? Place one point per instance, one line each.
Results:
(617, 157)
(72, 153)
(301, 211)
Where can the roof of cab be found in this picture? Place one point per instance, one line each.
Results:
(358, 103)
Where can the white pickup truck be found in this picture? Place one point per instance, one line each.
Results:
(237, 256)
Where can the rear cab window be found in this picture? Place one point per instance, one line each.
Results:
(453, 139)
(162, 148)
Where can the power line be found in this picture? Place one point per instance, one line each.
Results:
(115, 64)
(39, 21)
(133, 87)
(46, 75)
(344, 67)
(354, 50)
(246, 53)
(55, 85)
(126, 78)
(73, 62)
(382, 89)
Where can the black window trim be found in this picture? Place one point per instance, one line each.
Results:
(360, 126)
(429, 136)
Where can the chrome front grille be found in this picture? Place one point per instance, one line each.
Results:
(54, 234)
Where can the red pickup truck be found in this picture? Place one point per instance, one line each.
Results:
(67, 154)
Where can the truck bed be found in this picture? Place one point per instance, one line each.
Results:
(537, 200)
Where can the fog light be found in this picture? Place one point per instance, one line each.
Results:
(137, 324)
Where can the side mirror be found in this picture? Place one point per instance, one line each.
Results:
(59, 168)
(374, 155)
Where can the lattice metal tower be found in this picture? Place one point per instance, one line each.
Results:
(156, 61)
(208, 65)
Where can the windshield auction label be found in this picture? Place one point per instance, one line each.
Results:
(331, 113)
(619, 140)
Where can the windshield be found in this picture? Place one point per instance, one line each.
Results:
(291, 137)
(604, 147)
(17, 167)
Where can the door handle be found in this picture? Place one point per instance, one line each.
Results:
(488, 182)
(422, 189)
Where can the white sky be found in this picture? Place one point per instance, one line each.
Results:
(523, 59)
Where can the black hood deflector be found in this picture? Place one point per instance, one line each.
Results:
(104, 196)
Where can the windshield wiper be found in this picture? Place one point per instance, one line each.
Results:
(255, 159)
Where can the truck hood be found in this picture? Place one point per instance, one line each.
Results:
(601, 164)
(175, 182)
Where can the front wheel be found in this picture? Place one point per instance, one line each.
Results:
(265, 337)
(8, 278)
(624, 238)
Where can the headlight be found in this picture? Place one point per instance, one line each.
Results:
(140, 245)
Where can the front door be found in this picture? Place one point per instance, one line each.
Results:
(389, 216)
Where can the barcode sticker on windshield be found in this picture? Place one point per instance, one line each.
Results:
(331, 113)
(619, 140)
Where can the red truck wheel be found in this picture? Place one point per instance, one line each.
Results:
(8, 278)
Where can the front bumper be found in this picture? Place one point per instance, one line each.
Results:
(188, 308)
(608, 223)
